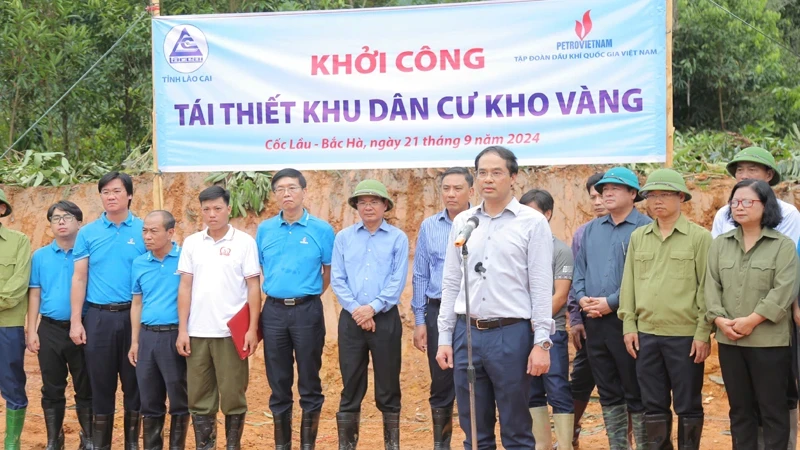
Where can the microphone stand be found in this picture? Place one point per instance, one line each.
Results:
(470, 367)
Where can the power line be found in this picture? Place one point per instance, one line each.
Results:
(75, 84)
(778, 43)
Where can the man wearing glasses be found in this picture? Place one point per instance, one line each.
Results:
(104, 253)
(294, 250)
(51, 279)
(368, 273)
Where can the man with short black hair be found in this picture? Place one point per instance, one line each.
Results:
(219, 276)
(104, 253)
(59, 357)
(456, 186)
(160, 370)
(294, 250)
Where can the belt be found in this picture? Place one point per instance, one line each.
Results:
(293, 301)
(488, 324)
(113, 307)
(173, 327)
(435, 301)
(58, 323)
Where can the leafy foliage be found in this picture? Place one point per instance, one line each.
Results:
(249, 190)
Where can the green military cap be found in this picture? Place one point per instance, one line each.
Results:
(370, 187)
(756, 155)
(665, 180)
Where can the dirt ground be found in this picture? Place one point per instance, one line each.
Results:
(415, 420)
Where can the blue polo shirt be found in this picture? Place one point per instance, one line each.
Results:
(291, 255)
(111, 250)
(157, 281)
(51, 271)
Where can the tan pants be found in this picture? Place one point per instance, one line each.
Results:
(216, 377)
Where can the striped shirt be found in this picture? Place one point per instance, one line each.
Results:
(429, 262)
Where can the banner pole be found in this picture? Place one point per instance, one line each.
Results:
(158, 182)
(670, 124)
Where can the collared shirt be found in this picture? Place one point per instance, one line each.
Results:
(429, 262)
(790, 224)
(157, 282)
(516, 249)
(563, 266)
(15, 270)
(573, 307)
(762, 280)
(369, 268)
(219, 269)
(51, 272)
(111, 250)
(291, 255)
(663, 282)
(601, 259)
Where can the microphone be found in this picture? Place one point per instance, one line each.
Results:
(479, 268)
(466, 232)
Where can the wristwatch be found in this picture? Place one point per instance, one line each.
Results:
(545, 345)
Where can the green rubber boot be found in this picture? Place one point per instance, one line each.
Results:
(15, 419)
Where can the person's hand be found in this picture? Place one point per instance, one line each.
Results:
(421, 337)
(726, 326)
(632, 344)
(597, 308)
(133, 354)
(77, 333)
(250, 342)
(33, 341)
(538, 361)
(362, 314)
(368, 325)
(743, 325)
(796, 314)
(700, 351)
(444, 356)
(183, 344)
(585, 302)
(576, 333)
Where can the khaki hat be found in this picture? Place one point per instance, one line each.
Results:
(756, 155)
(370, 187)
(4, 200)
(665, 180)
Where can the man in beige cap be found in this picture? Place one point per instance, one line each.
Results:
(368, 273)
(15, 269)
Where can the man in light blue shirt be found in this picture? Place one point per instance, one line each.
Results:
(160, 370)
(427, 281)
(59, 357)
(104, 252)
(294, 250)
(368, 273)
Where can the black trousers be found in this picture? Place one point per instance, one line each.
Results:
(161, 373)
(59, 357)
(756, 375)
(581, 381)
(668, 376)
(293, 333)
(108, 340)
(613, 368)
(355, 347)
(443, 392)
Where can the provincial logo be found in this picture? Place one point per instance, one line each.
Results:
(185, 48)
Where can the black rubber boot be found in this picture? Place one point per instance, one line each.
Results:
(442, 427)
(308, 432)
(205, 431)
(347, 425)
(54, 424)
(153, 438)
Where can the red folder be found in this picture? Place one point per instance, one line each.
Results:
(239, 324)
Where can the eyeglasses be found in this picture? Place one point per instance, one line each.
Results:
(67, 218)
(483, 174)
(371, 204)
(661, 197)
(291, 189)
(747, 203)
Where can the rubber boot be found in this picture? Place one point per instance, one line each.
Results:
(132, 421)
(391, 431)
(639, 429)
(85, 434)
(347, 426)
(54, 424)
(616, 418)
(659, 432)
(205, 431)
(178, 429)
(630, 432)
(565, 426)
(102, 430)
(15, 420)
(580, 408)
(689, 431)
(153, 438)
(283, 430)
(442, 427)
(541, 428)
(308, 430)
(234, 425)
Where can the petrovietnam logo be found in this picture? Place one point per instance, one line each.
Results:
(582, 29)
(185, 48)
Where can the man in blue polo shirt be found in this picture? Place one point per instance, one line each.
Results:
(294, 250)
(104, 252)
(160, 370)
(51, 278)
